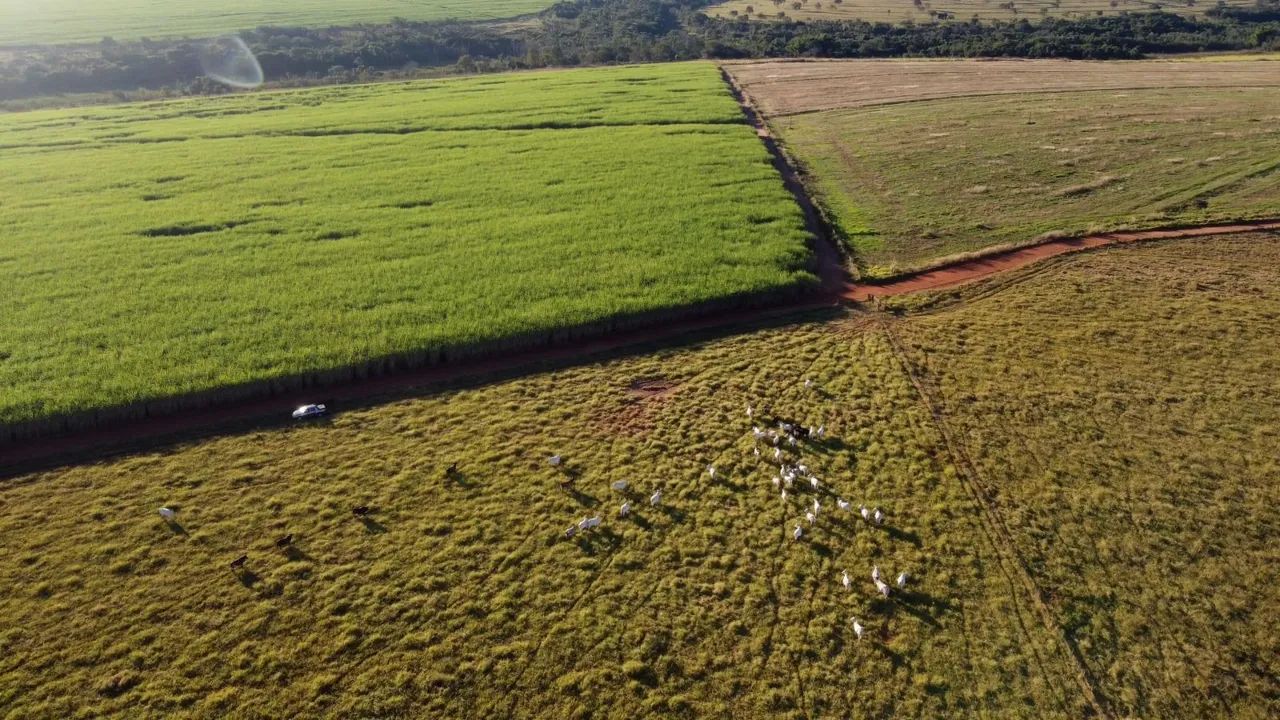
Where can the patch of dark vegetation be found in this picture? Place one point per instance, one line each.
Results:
(154, 140)
(337, 234)
(154, 197)
(410, 204)
(276, 203)
(182, 230)
(169, 179)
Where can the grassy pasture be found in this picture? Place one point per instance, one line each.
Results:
(461, 599)
(1120, 406)
(157, 250)
(897, 11)
(28, 22)
(1120, 416)
(913, 182)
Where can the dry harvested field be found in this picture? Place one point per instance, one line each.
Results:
(1092, 487)
(896, 11)
(786, 87)
(917, 162)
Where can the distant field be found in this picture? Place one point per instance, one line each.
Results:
(1120, 407)
(24, 22)
(909, 182)
(169, 248)
(896, 11)
(785, 87)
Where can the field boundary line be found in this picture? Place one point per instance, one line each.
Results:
(990, 514)
(830, 255)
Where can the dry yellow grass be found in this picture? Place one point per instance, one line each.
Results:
(1115, 408)
(1121, 409)
(463, 599)
(785, 87)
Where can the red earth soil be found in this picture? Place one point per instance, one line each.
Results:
(967, 271)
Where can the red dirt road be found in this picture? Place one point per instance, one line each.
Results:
(968, 271)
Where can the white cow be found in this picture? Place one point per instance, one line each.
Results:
(882, 588)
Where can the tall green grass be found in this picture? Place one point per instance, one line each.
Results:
(24, 22)
(161, 250)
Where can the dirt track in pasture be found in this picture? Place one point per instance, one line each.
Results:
(967, 271)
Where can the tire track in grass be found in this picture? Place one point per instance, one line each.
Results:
(802, 692)
(1002, 540)
(550, 633)
(782, 546)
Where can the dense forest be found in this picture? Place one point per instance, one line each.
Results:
(578, 32)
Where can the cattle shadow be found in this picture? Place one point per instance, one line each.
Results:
(732, 486)
(641, 521)
(918, 613)
(592, 542)
(176, 527)
(674, 514)
(295, 554)
(582, 498)
(820, 548)
(828, 444)
(895, 658)
(920, 599)
(904, 535)
(371, 526)
(247, 578)
(459, 479)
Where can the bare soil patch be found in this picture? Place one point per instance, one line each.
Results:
(650, 387)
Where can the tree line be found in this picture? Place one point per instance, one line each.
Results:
(579, 32)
